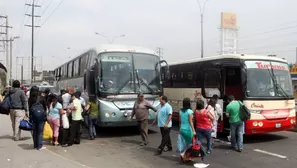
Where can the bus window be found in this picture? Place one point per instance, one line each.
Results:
(211, 82)
(76, 68)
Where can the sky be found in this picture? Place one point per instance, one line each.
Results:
(68, 27)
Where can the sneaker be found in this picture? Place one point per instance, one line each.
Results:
(143, 144)
(167, 149)
(42, 148)
(159, 152)
(229, 138)
(66, 145)
(239, 150)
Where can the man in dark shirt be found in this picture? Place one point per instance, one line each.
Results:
(141, 112)
(18, 108)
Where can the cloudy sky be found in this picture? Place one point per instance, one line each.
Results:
(68, 27)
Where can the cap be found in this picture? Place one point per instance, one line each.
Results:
(111, 82)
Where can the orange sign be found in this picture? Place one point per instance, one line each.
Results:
(293, 70)
(228, 20)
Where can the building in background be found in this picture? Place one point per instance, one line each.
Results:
(40, 76)
(229, 33)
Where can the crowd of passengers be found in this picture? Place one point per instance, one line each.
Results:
(194, 124)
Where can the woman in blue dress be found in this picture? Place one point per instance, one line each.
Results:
(187, 130)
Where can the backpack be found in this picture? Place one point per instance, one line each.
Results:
(37, 110)
(245, 113)
(5, 105)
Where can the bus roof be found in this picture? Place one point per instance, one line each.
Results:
(234, 56)
(113, 48)
(123, 48)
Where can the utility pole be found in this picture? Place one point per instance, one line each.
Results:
(6, 46)
(22, 69)
(32, 15)
(160, 52)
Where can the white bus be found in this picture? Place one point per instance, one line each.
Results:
(263, 84)
(115, 74)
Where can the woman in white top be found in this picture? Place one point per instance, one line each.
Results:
(216, 110)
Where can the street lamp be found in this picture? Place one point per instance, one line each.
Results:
(110, 41)
(201, 15)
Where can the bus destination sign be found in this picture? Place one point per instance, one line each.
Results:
(108, 58)
(267, 65)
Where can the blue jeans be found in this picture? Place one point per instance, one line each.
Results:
(38, 125)
(92, 122)
(237, 129)
(207, 133)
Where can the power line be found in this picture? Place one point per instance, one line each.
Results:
(46, 7)
(22, 30)
(267, 32)
(266, 46)
(52, 13)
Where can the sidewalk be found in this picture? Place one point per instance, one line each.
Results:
(22, 155)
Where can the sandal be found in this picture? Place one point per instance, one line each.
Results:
(182, 159)
(56, 144)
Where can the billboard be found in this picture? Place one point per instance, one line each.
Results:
(228, 20)
(293, 71)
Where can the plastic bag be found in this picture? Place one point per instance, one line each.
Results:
(181, 144)
(65, 121)
(47, 131)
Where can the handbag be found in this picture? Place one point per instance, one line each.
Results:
(195, 149)
(26, 125)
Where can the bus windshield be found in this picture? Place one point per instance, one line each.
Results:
(121, 72)
(268, 79)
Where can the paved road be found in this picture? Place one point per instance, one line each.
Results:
(120, 148)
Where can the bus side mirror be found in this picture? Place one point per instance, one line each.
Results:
(165, 72)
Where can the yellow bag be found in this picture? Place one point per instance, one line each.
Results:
(47, 131)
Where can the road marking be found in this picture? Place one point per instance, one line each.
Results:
(64, 158)
(269, 153)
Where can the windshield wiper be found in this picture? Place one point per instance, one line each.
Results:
(276, 85)
(124, 84)
(143, 83)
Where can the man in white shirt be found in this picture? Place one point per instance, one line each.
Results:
(66, 97)
(76, 111)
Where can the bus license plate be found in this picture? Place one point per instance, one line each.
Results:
(278, 125)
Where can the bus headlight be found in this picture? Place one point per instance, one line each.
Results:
(255, 123)
(260, 124)
(293, 121)
(107, 115)
(113, 114)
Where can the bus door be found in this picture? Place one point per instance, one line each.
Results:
(213, 84)
(232, 86)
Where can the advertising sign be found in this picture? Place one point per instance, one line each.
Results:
(267, 65)
(228, 20)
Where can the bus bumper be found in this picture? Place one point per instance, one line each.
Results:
(120, 123)
(265, 126)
